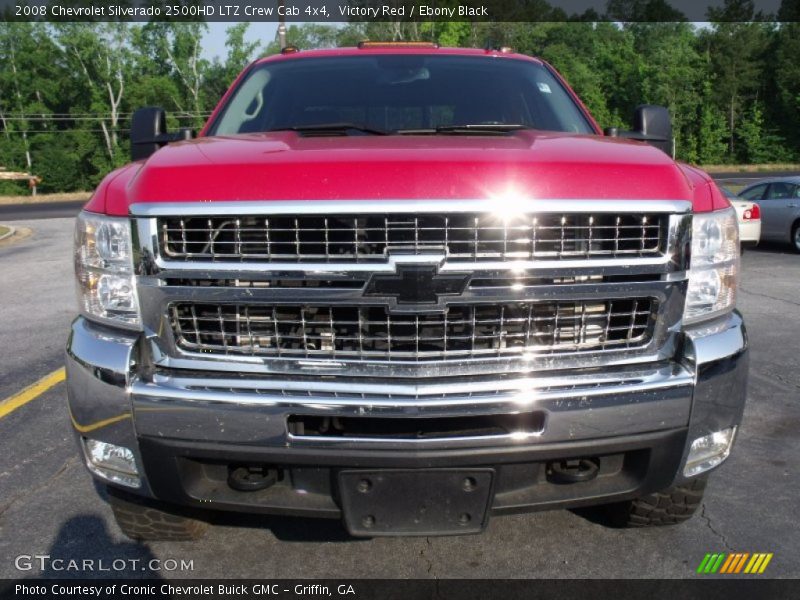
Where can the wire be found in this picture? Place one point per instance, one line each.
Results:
(98, 118)
(93, 114)
(73, 130)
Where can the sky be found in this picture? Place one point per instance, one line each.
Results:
(214, 42)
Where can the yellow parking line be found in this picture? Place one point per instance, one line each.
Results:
(31, 392)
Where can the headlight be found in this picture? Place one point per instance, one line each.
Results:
(104, 270)
(714, 272)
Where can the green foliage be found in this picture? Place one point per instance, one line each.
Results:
(753, 136)
(736, 50)
(448, 33)
(598, 60)
(784, 91)
(713, 133)
(759, 144)
(67, 90)
(670, 75)
(62, 158)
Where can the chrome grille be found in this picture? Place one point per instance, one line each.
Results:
(373, 333)
(466, 237)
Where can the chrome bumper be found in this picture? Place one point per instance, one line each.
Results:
(114, 398)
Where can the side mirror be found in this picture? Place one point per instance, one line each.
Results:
(149, 132)
(651, 124)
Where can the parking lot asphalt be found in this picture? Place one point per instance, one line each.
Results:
(49, 505)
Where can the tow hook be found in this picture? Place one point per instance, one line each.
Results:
(251, 478)
(573, 470)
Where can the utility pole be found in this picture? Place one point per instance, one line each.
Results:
(281, 24)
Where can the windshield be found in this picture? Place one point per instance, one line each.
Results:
(399, 94)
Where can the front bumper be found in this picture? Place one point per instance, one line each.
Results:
(187, 428)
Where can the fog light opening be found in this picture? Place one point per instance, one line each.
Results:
(709, 451)
(113, 463)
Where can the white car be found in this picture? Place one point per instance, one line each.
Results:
(749, 218)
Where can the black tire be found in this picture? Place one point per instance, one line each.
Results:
(670, 507)
(144, 520)
(796, 237)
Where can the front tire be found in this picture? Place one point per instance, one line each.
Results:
(796, 237)
(144, 520)
(669, 507)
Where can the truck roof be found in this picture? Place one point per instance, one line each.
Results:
(397, 48)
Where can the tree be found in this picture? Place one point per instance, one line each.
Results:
(448, 33)
(29, 91)
(784, 84)
(752, 135)
(758, 143)
(734, 51)
(712, 134)
(598, 60)
(175, 47)
(99, 53)
(670, 72)
(221, 74)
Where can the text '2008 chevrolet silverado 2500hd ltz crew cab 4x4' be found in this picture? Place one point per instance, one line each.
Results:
(409, 287)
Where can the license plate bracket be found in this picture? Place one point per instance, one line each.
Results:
(400, 502)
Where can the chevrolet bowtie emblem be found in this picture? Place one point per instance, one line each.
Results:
(417, 284)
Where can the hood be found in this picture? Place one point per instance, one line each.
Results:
(288, 166)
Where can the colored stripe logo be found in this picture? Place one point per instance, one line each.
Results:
(735, 562)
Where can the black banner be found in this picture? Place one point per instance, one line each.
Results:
(338, 11)
(382, 589)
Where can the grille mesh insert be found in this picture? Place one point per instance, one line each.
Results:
(371, 332)
(467, 237)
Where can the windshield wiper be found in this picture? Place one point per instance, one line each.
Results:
(488, 128)
(333, 128)
(468, 128)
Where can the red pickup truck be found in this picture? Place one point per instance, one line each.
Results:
(411, 288)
